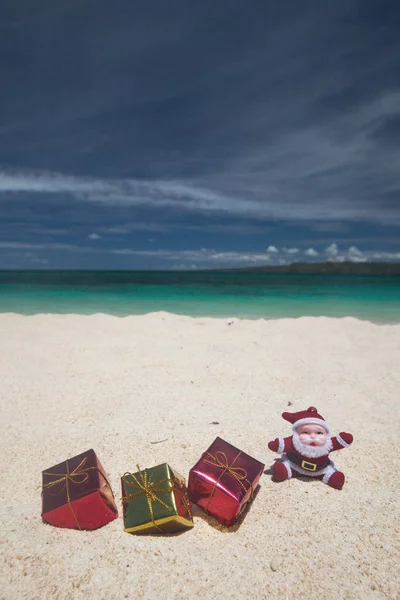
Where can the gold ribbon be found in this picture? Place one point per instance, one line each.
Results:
(146, 487)
(186, 504)
(77, 476)
(220, 461)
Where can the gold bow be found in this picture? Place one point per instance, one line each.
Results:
(220, 460)
(78, 475)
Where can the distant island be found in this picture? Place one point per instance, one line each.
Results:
(328, 268)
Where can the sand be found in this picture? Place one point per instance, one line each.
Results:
(69, 383)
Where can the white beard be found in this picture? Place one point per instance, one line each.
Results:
(311, 451)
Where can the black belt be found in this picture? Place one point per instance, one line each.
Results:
(307, 465)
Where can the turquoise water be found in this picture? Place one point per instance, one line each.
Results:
(210, 294)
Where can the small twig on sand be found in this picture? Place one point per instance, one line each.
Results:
(159, 441)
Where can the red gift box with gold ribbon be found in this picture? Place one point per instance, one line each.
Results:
(223, 481)
(76, 494)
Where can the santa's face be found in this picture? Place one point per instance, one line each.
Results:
(312, 435)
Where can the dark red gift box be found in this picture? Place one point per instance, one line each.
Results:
(223, 481)
(76, 494)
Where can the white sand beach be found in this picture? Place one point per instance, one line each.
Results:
(118, 385)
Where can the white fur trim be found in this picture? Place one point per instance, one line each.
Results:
(308, 420)
(288, 468)
(341, 441)
(281, 446)
(328, 469)
(311, 451)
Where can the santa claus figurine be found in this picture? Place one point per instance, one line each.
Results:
(306, 452)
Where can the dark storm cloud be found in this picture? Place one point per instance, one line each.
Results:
(171, 114)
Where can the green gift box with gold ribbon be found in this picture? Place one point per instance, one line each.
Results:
(155, 501)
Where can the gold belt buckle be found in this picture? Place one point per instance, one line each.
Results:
(308, 466)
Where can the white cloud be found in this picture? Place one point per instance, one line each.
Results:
(332, 250)
(272, 250)
(311, 252)
(186, 195)
(206, 257)
(94, 236)
(128, 192)
(117, 230)
(44, 246)
(333, 255)
(40, 261)
(291, 250)
(202, 255)
(384, 255)
(355, 251)
(355, 255)
(183, 267)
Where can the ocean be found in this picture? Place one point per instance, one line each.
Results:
(249, 295)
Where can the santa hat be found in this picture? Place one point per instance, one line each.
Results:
(305, 417)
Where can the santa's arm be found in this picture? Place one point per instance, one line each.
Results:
(341, 440)
(280, 444)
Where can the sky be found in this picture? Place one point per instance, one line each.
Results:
(182, 134)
